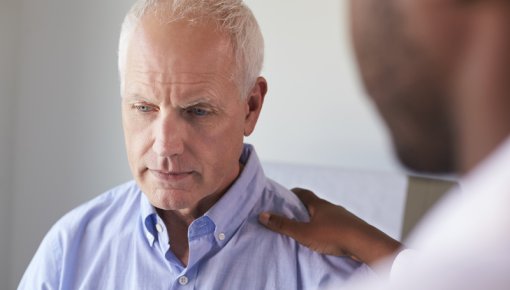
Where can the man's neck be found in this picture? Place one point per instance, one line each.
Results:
(177, 222)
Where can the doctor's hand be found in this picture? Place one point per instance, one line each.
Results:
(333, 230)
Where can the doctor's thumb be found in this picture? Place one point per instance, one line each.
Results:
(281, 225)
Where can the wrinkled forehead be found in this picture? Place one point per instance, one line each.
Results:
(178, 55)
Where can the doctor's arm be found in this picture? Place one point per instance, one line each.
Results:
(332, 230)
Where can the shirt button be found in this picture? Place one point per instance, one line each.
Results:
(183, 280)
(221, 236)
(159, 228)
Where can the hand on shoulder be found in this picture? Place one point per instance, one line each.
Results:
(333, 230)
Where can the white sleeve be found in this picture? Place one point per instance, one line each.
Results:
(402, 261)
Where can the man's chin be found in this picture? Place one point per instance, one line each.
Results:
(169, 199)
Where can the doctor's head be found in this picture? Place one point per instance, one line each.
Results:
(404, 50)
(191, 91)
(420, 60)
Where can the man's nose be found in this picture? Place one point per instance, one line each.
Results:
(169, 133)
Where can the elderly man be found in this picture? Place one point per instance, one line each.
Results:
(190, 92)
(438, 71)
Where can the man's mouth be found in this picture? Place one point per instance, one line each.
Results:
(170, 175)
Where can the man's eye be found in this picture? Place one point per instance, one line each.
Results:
(144, 108)
(198, 112)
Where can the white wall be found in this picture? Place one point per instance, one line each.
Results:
(68, 144)
(68, 140)
(315, 111)
(8, 12)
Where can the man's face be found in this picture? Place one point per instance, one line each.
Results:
(183, 117)
(405, 52)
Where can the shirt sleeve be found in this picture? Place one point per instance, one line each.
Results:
(44, 270)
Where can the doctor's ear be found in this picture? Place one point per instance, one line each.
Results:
(254, 102)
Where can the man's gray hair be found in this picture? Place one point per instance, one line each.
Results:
(233, 18)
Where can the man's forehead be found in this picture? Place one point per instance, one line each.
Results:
(138, 80)
(143, 77)
(181, 88)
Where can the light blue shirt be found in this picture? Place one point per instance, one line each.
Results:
(117, 241)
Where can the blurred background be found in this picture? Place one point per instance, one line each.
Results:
(61, 139)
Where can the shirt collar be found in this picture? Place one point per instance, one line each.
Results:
(149, 219)
(235, 205)
(225, 217)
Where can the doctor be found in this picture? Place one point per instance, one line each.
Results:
(439, 73)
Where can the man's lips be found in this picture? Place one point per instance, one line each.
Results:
(170, 175)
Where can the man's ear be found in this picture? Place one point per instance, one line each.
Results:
(254, 102)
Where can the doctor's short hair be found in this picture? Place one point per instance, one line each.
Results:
(233, 18)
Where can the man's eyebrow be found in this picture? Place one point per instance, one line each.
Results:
(198, 101)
